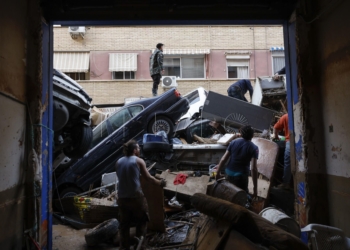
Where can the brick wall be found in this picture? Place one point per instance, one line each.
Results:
(112, 92)
(175, 37)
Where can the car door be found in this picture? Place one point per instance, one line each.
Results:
(101, 157)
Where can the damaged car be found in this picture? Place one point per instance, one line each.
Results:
(71, 123)
(130, 122)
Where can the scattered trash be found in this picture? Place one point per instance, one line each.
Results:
(174, 203)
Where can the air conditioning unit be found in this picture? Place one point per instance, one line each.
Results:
(169, 81)
(76, 29)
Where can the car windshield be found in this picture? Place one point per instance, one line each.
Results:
(193, 97)
(99, 133)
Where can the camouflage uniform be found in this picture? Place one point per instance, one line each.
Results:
(156, 68)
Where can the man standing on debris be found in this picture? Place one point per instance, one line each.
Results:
(131, 201)
(282, 125)
(156, 67)
(242, 153)
(239, 89)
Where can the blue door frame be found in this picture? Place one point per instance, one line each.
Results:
(47, 87)
(47, 138)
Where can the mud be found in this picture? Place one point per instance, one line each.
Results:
(67, 238)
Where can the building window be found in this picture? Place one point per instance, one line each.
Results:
(278, 62)
(78, 76)
(237, 69)
(184, 67)
(123, 75)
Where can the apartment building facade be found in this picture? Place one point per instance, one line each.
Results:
(112, 63)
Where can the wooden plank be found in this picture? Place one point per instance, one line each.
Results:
(192, 185)
(212, 233)
(263, 187)
(155, 198)
(268, 153)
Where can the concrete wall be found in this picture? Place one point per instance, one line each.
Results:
(322, 120)
(112, 92)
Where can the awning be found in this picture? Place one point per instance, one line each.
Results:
(238, 63)
(246, 57)
(277, 49)
(185, 51)
(123, 62)
(71, 61)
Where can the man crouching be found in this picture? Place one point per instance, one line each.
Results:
(131, 201)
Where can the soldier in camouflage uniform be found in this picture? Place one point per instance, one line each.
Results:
(156, 67)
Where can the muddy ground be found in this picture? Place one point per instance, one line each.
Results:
(67, 238)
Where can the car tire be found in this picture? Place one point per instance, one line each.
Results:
(70, 192)
(156, 147)
(161, 123)
(81, 140)
(102, 232)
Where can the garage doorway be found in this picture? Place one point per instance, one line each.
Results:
(176, 65)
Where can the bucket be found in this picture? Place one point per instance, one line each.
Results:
(227, 191)
(281, 220)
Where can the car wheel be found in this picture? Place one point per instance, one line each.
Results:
(102, 233)
(161, 123)
(81, 136)
(70, 192)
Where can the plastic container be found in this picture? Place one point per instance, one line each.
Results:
(152, 138)
(212, 170)
(227, 191)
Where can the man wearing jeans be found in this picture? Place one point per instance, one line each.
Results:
(239, 89)
(282, 125)
(243, 153)
(156, 67)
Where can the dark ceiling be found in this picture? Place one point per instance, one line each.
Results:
(80, 10)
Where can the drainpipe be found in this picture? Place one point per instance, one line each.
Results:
(252, 28)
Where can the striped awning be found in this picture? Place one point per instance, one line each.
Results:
(123, 62)
(71, 61)
(185, 51)
(277, 49)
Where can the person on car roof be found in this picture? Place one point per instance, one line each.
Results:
(156, 67)
(243, 153)
(131, 201)
(239, 89)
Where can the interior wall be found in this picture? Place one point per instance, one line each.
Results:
(19, 38)
(324, 59)
(12, 123)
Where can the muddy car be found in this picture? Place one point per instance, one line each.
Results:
(130, 122)
(71, 110)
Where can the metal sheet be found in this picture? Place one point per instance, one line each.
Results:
(234, 112)
(13, 127)
(268, 83)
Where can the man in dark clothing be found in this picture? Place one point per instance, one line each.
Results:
(243, 153)
(131, 201)
(156, 67)
(239, 89)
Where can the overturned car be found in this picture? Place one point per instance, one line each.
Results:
(71, 109)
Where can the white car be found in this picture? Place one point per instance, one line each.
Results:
(196, 99)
